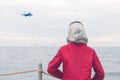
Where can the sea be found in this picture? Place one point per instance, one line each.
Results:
(15, 59)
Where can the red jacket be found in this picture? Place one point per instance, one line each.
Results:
(78, 61)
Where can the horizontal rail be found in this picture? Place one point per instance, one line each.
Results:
(21, 72)
(27, 71)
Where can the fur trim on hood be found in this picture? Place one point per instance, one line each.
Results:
(77, 33)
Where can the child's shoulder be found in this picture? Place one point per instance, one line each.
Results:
(91, 48)
(64, 46)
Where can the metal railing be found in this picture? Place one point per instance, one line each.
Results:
(39, 70)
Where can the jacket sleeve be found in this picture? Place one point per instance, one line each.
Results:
(54, 65)
(99, 72)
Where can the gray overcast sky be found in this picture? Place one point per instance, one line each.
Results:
(49, 24)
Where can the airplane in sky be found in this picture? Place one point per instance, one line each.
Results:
(27, 14)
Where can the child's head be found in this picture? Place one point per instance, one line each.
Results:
(77, 33)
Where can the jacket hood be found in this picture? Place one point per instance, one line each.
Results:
(77, 33)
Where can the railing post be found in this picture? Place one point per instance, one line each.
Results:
(40, 73)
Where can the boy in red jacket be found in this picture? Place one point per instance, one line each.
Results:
(78, 59)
